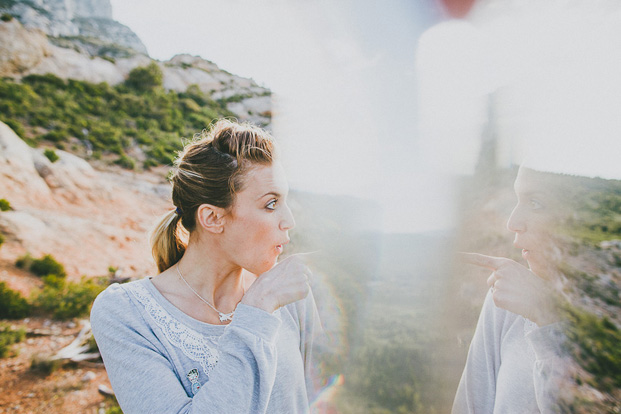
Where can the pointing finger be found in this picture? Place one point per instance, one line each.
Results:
(489, 262)
(301, 257)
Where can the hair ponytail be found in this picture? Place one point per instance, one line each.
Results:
(168, 241)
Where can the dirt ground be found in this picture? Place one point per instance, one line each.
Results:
(71, 387)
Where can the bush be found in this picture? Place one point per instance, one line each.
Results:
(6, 17)
(9, 337)
(47, 108)
(16, 126)
(1, 239)
(68, 300)
(47, 265)
(24, 262)
(51, 155)
(4, 205)
(145, 78)
(44, 365)
(126, 162)
(57, 135)
(596, 348)
(12, 304)
(54, 281)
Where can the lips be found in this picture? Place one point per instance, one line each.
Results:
(281, 246)
(525, 252)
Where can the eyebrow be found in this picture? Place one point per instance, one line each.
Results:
(270, 193)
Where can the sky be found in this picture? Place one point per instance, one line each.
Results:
(386, 101)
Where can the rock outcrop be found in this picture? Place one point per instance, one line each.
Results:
(21, 49)
(75, 20)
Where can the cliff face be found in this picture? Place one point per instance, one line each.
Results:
(75, 20)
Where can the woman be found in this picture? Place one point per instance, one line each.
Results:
(207, 334)
(516, 362)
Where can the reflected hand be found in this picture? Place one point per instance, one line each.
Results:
(517, 289)
(285, 283)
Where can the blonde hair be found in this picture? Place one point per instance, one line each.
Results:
(209, 170)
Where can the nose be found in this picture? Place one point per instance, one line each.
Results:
(287, 222)
(516, 222)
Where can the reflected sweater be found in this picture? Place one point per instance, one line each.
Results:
(160, 360)
(513, 366)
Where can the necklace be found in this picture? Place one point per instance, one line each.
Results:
(223, 316)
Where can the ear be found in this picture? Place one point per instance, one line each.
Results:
(211, 218)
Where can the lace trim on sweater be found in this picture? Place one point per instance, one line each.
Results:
(194, 345)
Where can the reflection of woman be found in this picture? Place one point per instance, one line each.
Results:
(207, 334)
(515, 361)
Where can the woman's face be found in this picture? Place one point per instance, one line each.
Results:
(534, 221)
(256, 228)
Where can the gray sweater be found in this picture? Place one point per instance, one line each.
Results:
(513, 366)
(160, 360)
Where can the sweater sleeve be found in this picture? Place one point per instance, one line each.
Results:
(311, 341)
(550, 373)
(476, 392)
(145, 380)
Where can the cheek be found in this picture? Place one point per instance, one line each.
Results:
(254, 240)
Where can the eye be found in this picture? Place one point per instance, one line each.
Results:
(271, 205)
(535, 204)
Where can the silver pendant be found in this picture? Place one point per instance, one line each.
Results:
(226, 316)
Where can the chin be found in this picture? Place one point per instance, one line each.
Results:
(541, 269)
(263, 267)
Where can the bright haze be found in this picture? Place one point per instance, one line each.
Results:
(361, 108)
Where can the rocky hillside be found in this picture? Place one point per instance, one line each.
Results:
(77, 39)
(64, 65)
(88, 219)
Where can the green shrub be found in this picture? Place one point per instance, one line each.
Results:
(58, 135)
(69, 300)
(1, 239)
(9, 337)
(47, 265)
(150, 163)
(126, 161)
(51, 155)
(44, 365)
(54, 281)
(595, 343)
(111, 118)
(12, 304)
(42, 81)
(6, 17)
(145, 78)
(24, 261)
(16, 126)
(4, 205)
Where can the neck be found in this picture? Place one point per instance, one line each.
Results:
(211, 275)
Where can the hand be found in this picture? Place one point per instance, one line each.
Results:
(285, 283)
(516, 289)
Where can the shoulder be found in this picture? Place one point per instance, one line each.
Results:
(116, 303)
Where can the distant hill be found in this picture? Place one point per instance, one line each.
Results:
(79, 40)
